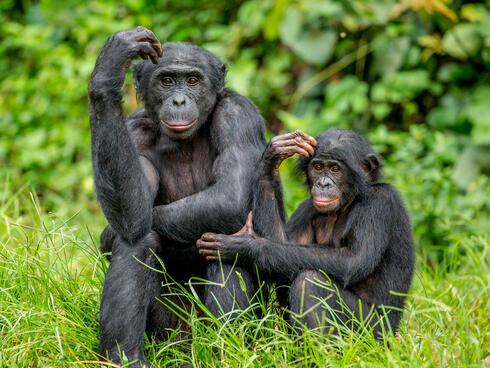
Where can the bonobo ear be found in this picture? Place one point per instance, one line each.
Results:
(372, 166)
(137, 68)
(222, 69)
(301, 167)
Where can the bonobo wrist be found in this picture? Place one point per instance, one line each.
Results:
(158, 223)
(267, 165)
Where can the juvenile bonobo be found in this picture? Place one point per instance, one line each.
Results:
(164, 175)
(353, 229)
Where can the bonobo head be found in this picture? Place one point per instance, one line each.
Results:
(181, 90)
(343, 166)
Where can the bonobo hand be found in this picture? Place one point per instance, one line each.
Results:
(122, 47)
(280, 148)
(226, 247)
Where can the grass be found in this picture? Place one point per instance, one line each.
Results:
(51, 275)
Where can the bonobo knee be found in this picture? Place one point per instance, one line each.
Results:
(143, 250)
(306, 288)
(307, 282)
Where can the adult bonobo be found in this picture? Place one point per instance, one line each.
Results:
(353, 229)
(164, 175)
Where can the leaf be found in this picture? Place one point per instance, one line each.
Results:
(241, 281)
(469, 165)
(290, 26)
(462, 41)
(389, 54)
(314, 46)
(474, 12)
(454, 72)
(443, 117)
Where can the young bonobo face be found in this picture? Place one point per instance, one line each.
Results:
(343, 166)
(327, 180)
(180, 91)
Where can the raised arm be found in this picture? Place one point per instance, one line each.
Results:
(237, 134)
(267, 205)
(125, 183)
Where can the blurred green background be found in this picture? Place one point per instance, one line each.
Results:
(412, 76)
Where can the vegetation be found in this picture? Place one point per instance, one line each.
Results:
(411, 76)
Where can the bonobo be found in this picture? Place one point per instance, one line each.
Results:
(164, 175)
(353, 229)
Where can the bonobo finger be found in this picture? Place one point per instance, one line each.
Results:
(304, 144)
(208, 237)
(144, 34)
(208, 252)
(248, 228)
(146, 49)
(158, 47)
(291, 150)
(299, 142)
(249, 224)
(212, 259)
(201, 244)
(306, 137)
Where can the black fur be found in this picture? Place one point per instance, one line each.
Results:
(164, 175)
(362, 242)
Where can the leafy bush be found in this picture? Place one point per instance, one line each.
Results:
(412, 76)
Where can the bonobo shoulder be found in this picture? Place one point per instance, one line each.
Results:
(236, 117)
(384, 194)
(303, 214)
(239, 107)
(144, 132)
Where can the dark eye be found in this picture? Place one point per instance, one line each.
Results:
(318, 166)
(167, 81)
(335, 168)
(192, 80)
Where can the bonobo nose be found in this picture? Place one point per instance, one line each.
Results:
(179, 100)
(324, 183)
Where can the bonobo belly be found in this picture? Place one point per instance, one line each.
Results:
(185, 171)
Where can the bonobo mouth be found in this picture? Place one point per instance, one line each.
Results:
(179, 126)
(325, 202)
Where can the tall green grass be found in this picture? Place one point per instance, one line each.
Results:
(51, 275)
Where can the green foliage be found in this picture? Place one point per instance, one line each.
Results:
(372, 66)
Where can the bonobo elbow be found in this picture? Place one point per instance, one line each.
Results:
(134, 236)
(99, 88)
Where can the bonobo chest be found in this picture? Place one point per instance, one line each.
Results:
(329, 230)
(185, 170)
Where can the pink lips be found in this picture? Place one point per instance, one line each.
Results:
(179, 125)
(323, 202)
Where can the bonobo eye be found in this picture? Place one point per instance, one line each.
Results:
(167, 81)
(192, 80)
(318, 166)
(335, 168)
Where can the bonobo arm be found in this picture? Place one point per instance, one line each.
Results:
(237, 136)
(125, 183)
(267, 205)
(368, 240)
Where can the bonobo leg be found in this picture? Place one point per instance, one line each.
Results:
(107, 239)
(223, 300)
(128, 288)
(314, 302)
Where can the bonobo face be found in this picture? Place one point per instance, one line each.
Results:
(182, 88)
(343, 167)
(326, 177)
